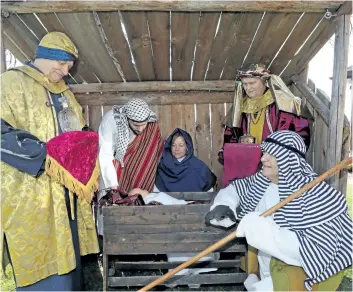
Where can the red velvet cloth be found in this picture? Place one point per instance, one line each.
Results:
(76, 152)
(240, 160)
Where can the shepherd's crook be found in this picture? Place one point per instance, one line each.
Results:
(343, 164)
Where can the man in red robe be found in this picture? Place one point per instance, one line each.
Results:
(262, 105)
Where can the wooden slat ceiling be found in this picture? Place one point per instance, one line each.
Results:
(159, 46)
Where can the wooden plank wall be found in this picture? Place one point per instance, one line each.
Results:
(204, 123)
(316, 154)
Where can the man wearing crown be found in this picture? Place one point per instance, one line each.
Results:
(262, 105)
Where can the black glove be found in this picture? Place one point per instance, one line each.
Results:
(219, 213)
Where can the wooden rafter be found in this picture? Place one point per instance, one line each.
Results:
(155, 98)
(166, 5)
(223, 85)
(317, 40)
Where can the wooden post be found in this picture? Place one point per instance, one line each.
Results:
(2, 48)
(334, 148)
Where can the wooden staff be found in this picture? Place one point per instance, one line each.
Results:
(343, 164)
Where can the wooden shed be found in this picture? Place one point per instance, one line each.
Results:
(182, 58)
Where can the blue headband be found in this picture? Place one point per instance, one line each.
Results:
(53, 54)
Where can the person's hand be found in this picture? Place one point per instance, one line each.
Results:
(114, 187)
(138, 191)
(219, 213)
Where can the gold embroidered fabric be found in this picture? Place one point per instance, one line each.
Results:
(253, 105)
(33, 210)
(43, 80)
(256, 125)
(285, 100)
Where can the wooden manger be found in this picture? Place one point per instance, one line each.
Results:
(150, 230)
(182, 58)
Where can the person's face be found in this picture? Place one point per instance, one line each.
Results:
(179, 148)
(270, 167)
(137, 127)
(254, 87)
(56, 70)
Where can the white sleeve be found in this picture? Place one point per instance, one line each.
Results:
(107, 134)
(227, 197)
(265, 235)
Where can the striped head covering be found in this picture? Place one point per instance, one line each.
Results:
(319, 217)
(136, 110)
(56, 46)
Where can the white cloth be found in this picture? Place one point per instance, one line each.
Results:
(166, 199)
(107, 136)
(107, 177)
(262, 233)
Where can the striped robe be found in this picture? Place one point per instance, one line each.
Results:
(319, 217)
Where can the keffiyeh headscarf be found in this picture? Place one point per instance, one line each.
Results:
(136, 110)
(319, 217)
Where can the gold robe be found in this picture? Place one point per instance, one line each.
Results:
(34, 216)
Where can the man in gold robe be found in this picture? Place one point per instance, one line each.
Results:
(262, 105)
(45, 228)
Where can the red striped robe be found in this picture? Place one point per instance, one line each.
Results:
(141, 160)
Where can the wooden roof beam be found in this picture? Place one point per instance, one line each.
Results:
(155, 98)
(167, 5)
(148, 86)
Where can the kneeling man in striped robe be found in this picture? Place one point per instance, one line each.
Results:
(130, 146)
(304, 245)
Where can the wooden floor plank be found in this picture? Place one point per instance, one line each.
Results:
(180, 280)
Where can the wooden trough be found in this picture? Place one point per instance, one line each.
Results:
(150, 230)
(182, 58)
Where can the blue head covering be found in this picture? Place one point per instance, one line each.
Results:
(56, 46)
(189, 175)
